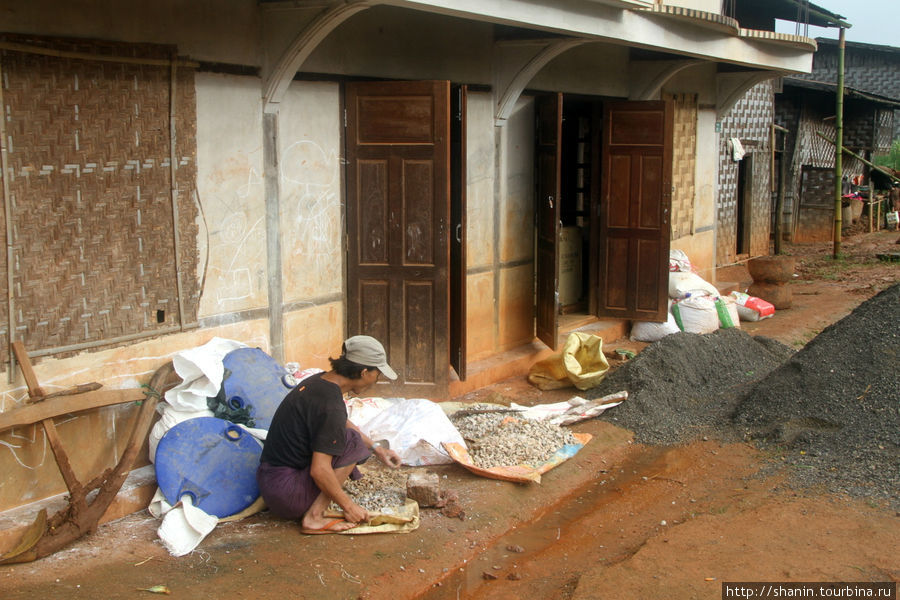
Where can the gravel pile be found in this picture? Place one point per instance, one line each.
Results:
(830, 411)
(378, 490)
(495, 439)
(833, 407)
(686, 385)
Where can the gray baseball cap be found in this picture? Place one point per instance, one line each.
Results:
(366, 350)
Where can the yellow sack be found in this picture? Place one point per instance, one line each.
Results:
(581, 363)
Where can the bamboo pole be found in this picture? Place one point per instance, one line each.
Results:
(10, 254)
(779, 199)
(839, 144)
(868, 163)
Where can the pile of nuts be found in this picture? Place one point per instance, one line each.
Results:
(378, 490)
(499, 438)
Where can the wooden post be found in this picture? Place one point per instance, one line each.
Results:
(838, 145)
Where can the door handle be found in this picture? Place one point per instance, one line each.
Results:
(459, 233)
(550, 201)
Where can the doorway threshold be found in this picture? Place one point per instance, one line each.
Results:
(517, 361)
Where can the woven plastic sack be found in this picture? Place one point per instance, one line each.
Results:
(726, 307)
(696, 314)
(581, 363)
(683, 285)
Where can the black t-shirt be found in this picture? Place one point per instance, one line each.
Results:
(311, 418)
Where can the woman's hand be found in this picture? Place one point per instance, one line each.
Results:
(388, 457)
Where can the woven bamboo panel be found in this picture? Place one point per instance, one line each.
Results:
(90, 190)
(884, 128)
(749, 120)
(761, 204)
(866, 69)
(815, 217)
(685, 162)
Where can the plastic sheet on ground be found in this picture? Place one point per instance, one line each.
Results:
(517, 473)
(414, 427)
(402, 519)
(571, 411)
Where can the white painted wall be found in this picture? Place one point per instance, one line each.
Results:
(395, 43)
(712, 6)
(480, 175)
(309, 122)
(230, 187)
(597, 68)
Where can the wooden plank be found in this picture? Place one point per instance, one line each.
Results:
(62, 459)
(63, 405)
(34, 389)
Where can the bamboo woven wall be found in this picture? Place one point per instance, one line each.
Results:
(90, 200)
(866, 68)
(684, 162)
(815, 216)
(749, 120)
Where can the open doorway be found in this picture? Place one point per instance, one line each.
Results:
(603, 180)
(744, 205)
(579, 174)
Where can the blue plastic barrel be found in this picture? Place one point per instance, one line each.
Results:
(211, 460)
(256, 381)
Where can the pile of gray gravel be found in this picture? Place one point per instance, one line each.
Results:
(686, 385)
(832, 408)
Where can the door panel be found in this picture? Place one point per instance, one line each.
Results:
(397, 222)
(634, 210)
(549, 112)
(458, 182)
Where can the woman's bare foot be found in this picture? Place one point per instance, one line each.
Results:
(312, 523)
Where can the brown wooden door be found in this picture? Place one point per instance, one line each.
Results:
(398, 199)
(549, 131)
(458, 230)
(634, 210)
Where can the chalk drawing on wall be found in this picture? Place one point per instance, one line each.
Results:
(311, 191)
(236, 270)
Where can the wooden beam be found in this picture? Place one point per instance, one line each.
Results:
(63, 405)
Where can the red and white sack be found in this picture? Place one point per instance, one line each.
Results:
(696, 314)
(679, 261)
(683, 284)
(751, 308)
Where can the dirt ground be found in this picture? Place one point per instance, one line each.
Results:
(618, 520)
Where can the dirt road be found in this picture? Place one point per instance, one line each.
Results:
(619, 520)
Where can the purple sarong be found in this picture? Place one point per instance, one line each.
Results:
(289, 492)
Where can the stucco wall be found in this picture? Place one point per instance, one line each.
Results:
(500, 228)
(230, 187)
(311, 221)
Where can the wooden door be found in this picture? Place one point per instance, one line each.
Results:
(458, 230)
(634, 210)
(398, 216)
(549, 131)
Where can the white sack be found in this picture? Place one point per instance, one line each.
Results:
(648, 331)
(201, 371)
(184, 526)
(696, 314)
(679, 261)
(684, 284)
